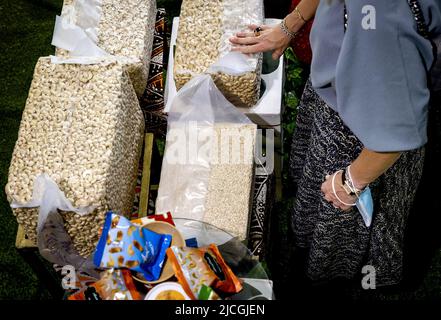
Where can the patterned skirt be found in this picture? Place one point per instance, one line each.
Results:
(339, 244)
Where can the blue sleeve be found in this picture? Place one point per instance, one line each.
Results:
(381, 75)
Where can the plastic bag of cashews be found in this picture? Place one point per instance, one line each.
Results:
(83, 127)
(205, 28)
(109, 27)
(208, 166)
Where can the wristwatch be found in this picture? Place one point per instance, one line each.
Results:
(348, 187)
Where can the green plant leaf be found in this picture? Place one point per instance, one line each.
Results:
(291, 100)
(290, 55)
(160, 143)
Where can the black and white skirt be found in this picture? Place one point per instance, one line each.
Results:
(339, 243)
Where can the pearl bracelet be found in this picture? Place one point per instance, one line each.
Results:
(286, 30)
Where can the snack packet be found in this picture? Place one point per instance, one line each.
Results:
(125, 245)
(113, 285)
(199, 269)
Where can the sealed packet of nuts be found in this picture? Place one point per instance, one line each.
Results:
(203, 273)
(125, 245)
(82, 127)
(113, 285)
(203, 46)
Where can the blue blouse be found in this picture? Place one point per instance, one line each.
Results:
(375, 74)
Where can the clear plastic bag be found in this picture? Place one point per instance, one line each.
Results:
(203, 40)
(207, 171)
(237, 16)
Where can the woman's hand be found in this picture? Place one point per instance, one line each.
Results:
(368, 166)
(271, 38)
(329, 195)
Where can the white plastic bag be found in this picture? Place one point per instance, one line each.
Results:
(76, 30)
(93, 31)
(74, 39)
(207, 171)
(54, 244)
(232, 63)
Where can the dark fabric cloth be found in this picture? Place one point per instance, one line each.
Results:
(152, 101)
(263, 196)
(339, 243)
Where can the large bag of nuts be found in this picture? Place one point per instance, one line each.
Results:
(120, 28)
(208, 166)
(205, 28)
(83, 127)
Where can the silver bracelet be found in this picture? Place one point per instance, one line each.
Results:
(286, 30)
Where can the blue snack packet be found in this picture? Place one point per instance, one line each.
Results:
(125, 245)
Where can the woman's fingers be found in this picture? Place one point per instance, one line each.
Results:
(244, 34)
(329, 198)
(323, 188)
(245, 41)
(277, 54)
(346, 208)
(254, 26)
(249, 49)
